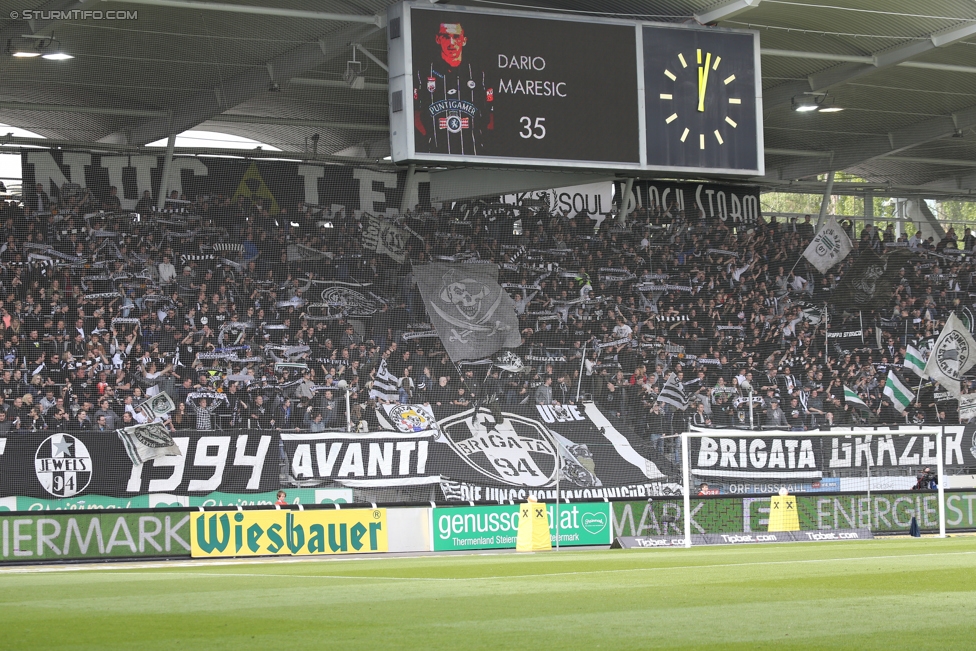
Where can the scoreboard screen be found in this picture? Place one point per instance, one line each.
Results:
(516, 88)
(494, 86)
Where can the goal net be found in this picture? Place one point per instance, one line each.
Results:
(838, 482)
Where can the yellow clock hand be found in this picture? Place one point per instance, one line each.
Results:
(703, 81)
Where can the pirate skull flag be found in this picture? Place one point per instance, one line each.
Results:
(869, 283)
(474, 317)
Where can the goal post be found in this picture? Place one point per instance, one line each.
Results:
(847, 463)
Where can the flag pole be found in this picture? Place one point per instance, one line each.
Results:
(794, 265)
(826, 340)
(579, 385)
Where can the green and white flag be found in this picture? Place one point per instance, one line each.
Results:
(901, 396)
(851, 396)
(914, 361)
(828, 247)
(954, 353)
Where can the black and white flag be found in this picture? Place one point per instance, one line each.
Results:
(473, 315)
(383, 236)
(301, 253)
(149, 441)
(385, 386)
(830, 246)
(158, 405)
(408, 418)
(673, 394)
(954, 353)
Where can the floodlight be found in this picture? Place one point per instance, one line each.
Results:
(354, 73)
(820, 102)
(41, 43)
(803, 105)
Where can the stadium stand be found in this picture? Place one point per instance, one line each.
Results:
(101, 305)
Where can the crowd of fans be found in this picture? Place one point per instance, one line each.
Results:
(217, 303)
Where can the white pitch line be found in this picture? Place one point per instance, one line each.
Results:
(122, 565)
(473, 578)
(177, 575)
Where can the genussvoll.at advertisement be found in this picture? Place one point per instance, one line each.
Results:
(496, 527)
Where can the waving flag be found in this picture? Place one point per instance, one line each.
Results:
(850, 396)
(901, 396)
(913, 361)
(673, 393)
(954, 353)
(385, 385)
(149, 441)
(474, 317)
(829, 247)
(382, 236)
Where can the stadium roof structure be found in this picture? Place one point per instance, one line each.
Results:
(904, 72)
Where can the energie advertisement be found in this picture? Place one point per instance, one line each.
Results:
(880, 512)
(263, 533)
(496, 527)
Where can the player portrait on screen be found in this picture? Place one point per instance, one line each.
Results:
(453, 101)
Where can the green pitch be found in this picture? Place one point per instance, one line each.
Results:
(884, 594)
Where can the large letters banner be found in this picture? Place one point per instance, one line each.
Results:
(278, 183)
(715, 203)
(87, 470)
(78, 536)
(468, 456)
(889, 512)
(479, 455)
(793, 456)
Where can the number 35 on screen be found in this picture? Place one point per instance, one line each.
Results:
(529, 130)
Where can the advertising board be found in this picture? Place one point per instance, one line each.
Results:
(80, 536)
(281, 533)
(496, 527)
(889, 512)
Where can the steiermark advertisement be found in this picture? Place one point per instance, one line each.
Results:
(62, 536)
(496, 527)
(164, 500)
